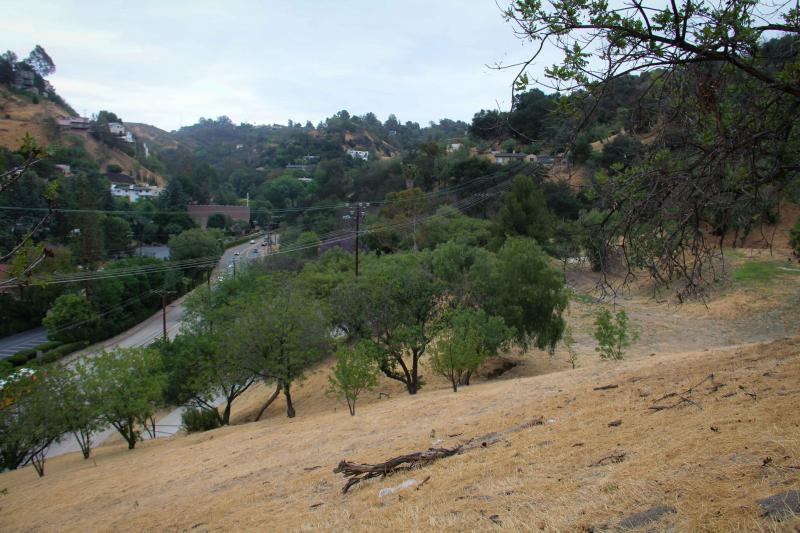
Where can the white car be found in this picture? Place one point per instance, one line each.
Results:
(252, 241)
(235, 253)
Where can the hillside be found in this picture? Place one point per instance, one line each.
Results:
(705, 460)
(18, 115)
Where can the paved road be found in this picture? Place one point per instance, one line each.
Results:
(143, 334)
(27, 339)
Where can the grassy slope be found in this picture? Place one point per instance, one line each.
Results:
(277, 471)
(19, 116)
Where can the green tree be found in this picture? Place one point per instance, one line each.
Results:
(28, 422)
(725, 97)
(280, 330)
(127, 385)
(524, 212)
(397, 304)
(218, 221)
(196, 243)
(202, 362)
(72, 404)
(472, 336)
(520, 286)
(118, 234)
(41, 62)
(356, 371)
(71, 319)
(612, 334)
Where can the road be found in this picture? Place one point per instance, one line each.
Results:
(27, 339)
(143, 334)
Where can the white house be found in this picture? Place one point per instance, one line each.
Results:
(116, 128)
(134, 192)
(453, 147)
(359, 154)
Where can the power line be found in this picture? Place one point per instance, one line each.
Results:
(211, 261)
(341, 205)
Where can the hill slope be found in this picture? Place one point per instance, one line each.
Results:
(705, 460)
(19, 115)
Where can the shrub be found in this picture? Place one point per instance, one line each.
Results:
(612, 333)
(196, 419)
(65, 349)
(29, 353)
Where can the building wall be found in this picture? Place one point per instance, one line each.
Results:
(200, 213)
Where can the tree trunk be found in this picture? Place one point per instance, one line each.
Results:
(226, 415)
(131, 436)
(351, 406)
(454, 381)
(289, 407)
(84, 441)
(38, 462)
(268, 402)
(464, 379)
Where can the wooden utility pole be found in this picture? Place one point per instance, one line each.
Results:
(163, 293)
(358, 220)
(164, 314)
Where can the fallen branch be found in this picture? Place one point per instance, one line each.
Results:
(684, 396)
(360, 472)
(606, 387)
(753, 395)
(423, 482)
(616, 457)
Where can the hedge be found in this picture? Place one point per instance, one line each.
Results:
(23, 356)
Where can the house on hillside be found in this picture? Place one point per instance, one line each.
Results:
(116, 128)
(73, 123)
(504, 158)
(295, 166)
(65, 170)
(359, 154)
(547, 160)
(135, 192)
(120, 179)
(453, 147)
(128, 137)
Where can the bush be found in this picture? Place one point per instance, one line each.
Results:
(64, 349)
(612, 334)
(196, 419)
(23, 356)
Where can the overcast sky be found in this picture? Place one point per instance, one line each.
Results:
(170, 63)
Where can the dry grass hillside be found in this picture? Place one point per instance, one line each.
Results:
(599, 460)
(18, 115)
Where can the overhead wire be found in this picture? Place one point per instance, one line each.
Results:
(332, 237)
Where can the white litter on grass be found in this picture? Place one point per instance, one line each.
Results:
(404, 485)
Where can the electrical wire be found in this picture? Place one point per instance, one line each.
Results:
(211, 261)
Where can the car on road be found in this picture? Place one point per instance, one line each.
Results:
(235, 253)
(252, 241)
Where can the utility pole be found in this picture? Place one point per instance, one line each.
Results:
(234, 267)
(164, 314)
(163, 293)
(358, 220)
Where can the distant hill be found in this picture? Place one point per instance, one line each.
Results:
(20, 114)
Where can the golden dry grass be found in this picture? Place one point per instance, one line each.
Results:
(268, 475)
(19, 116)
